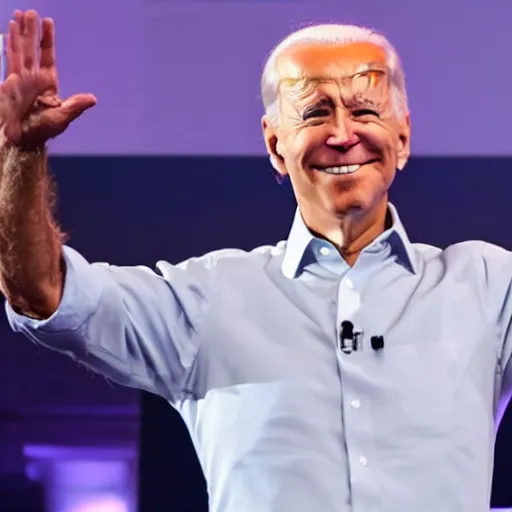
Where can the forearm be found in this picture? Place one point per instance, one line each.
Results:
(31, 274)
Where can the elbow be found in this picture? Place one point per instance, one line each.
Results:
(39, 302)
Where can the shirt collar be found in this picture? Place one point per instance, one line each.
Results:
(300, 238)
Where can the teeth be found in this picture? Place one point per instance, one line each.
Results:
(344, 169)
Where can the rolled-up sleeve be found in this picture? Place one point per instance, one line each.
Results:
(133, 325)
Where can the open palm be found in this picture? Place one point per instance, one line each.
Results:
(31, 111)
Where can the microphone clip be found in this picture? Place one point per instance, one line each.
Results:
(349, 338)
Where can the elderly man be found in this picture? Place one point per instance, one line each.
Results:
(345, 369)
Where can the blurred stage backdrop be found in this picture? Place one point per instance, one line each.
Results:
(171, 164)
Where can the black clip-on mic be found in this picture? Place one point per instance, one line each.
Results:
(349, 340)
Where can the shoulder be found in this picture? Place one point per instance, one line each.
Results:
(458, 251)
(231, 259)
(478, 254)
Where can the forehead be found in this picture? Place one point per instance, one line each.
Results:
(328, 60)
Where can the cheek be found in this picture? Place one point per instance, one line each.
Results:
(380, 139)
(307, 142)
(299, 146)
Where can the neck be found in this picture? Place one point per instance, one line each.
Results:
(350, 232)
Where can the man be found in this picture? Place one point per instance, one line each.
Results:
(345, 369)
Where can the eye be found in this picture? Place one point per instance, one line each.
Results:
(316, 112)
(365, 112)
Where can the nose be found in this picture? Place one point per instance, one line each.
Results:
(342, 135)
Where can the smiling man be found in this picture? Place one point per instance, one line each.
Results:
(341, 132)
(345, 369)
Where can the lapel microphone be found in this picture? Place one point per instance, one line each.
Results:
(349, 339)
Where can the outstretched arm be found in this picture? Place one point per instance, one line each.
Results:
(130, 324)
(31, 113)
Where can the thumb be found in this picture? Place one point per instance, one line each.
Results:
(76, 105)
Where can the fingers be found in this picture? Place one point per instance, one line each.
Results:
(48, 101)
(30, 39)
(30, 48)
(23, 42)
(13, 50)
(41, 125)
(47, 59)
(51, 122)
(76, 105)
(19, 18)
(47, 52)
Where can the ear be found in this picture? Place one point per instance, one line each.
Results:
(404, 142)
(271, 136)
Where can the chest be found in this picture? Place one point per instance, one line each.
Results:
(271, 329)
(271, 350)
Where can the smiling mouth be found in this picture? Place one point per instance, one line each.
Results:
(343, 169)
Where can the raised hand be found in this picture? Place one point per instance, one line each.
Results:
(31, 111)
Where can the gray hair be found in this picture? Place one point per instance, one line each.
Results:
(332, 34)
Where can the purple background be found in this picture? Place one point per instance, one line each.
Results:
(181, 77)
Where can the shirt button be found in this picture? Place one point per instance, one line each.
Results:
(363, 461)
(325, 251)
(355, 403)
(349, 283)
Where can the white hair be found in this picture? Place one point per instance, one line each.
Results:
(332, 34)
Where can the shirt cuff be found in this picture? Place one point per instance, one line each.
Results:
(83, 286)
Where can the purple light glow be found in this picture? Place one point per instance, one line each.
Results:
(84, 479)
(101, 503)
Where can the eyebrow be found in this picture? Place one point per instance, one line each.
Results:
(323, 102)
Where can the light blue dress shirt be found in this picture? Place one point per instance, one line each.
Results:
(245, 345)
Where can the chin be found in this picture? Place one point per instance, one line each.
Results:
(353, 201)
